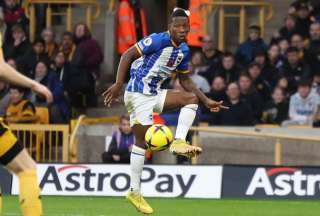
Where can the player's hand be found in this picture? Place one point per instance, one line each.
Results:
(215, 106)
(112, 94)
(42, 90)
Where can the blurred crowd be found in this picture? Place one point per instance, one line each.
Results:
(68, 64)
(264, 83)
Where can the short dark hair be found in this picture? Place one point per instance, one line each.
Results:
(124, 117)
(227, 54)
(38, 40)
(245, 74)
(18, 88)
(292, 50)
(304, 82)
(255, 27)
(67, 33)
(17, 27)
(178, 12)
(254, 64)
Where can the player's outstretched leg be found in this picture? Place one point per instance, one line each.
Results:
(29, 196)
(188, 102)
(136, 166)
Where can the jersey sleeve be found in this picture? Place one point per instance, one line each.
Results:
(183, 66)
(150, 44)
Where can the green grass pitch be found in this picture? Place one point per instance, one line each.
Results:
(89, 206)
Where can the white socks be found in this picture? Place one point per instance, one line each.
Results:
(136, 166)
(186, 117)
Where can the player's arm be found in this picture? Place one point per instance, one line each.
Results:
(189, 86)
(10, 75)
(126, 60)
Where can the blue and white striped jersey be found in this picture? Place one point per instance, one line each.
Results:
(160, 57)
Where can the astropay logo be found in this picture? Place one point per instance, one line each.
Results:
(86, 179)
(283, 182)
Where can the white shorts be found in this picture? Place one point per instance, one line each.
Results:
(141, 107)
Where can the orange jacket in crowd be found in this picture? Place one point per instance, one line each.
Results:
(197, 14)
(126, 30)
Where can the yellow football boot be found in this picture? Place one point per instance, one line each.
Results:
(181, 147)
(136, 199)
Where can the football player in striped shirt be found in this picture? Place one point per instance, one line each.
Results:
(151, 61)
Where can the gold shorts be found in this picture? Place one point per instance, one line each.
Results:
(9, 145)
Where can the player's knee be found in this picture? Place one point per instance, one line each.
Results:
(190, 98)
(21, 163)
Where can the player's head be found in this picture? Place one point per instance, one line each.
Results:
(179, 25)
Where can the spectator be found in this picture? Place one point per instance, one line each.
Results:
(297, 41)
(313, 52)
(59, 110)
(217, 93)
(262, 86)
(3, 26)
(239, 112)
(229, 70)
(68, 47)
(316, 84)
(13, 14)
(254, 43)
(36, 54)
(87, 59)
(20, 110)
(4, 97)
(12, 63)
(289, 27)
(303, 19)
(303, 105)
(284, 45)
(212, 56)
(199, 80)
(269, 72)
(121, 143)
(250, 95)
(63, 70)
(51, 47)
(276, 110)
(197, 61)
(274, 57)
(20, 48)
(294, 69)
(218, 88)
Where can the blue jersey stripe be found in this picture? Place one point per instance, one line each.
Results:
(160, 54)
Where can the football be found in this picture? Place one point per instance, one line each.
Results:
(158, 137)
